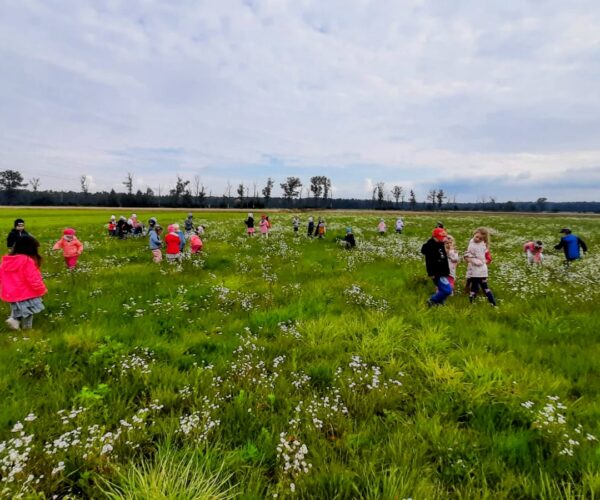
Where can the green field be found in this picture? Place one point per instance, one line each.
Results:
(291, 367)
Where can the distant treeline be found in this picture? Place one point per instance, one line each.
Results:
(140, 199)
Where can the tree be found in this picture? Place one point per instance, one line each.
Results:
(397, 193)
(291, 188)
(316, 186)
(412, 200)
(84, 181)
(179, 190)
(128, 183)
(380, 192)
(199, 191)
(440, 197)
(267, 190)
(326, 182)
(34, 182)
(541, 204)
(240, 191)
(11, 180)
(431, 197)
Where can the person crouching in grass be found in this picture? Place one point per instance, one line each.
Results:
(436, 262)
(71, 247)
(195, 241)
(173, 244)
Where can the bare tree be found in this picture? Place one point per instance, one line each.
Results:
(431, 197)
(128, 183)
(397, 193)
(380, 190)
(412, 200)
(240, 191)
(267, 190)
(440, 197)
(84, 181)
(34, 182)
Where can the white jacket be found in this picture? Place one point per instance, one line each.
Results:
(475, 256)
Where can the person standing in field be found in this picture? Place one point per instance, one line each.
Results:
(182, 238)
(478, 257)
(534, 251)
(173, 243)
(112, 226)
(571, 245)
(249, 224)
(453, 260)
(21, 282)
(321, 228)
(264, 226)
(296, 224)
(399, 225)
(18, 231)
(155, 243)
(381, 227)
(310, 227)
(436, 262)
(188, 224)
(71, 247)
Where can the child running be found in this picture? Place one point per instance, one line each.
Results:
(477, 258)
(173, 243)
(71, 247)
(156, 243)
(21, 283)
(534, 251)
(436, 262)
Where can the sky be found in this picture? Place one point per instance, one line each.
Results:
(482, 99)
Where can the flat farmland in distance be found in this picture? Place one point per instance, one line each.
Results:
(291, 367)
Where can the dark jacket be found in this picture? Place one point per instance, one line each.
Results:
(436, 258)
(13, 236)
(571, 245)
(349, 238)
(249, 222)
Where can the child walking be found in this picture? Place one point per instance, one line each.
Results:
(310, 227)
(534, 251)
(296, 224)
(21, 283)
(453, 259)
(381, 227)
(249, 224)
(477, 258)
(264, 226)
(71, 247)
(156, 243)
(321, 228)
(173, 243)
(436, 262)
(399, 225)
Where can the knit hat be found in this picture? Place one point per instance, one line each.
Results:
(171, 228)
(439, 233)
(69, 232)
(19, 221)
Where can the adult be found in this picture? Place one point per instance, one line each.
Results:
(571, 245)
(436, 262)
(17, 232)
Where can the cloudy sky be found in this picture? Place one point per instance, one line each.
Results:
(495, 98)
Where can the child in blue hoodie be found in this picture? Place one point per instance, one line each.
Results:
(571, 245)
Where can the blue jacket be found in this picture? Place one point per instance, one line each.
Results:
(155, 242)
(570, 245)
(181, 235)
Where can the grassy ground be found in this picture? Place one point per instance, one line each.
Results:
(292, 367)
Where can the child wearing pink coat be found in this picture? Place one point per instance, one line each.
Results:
(534, 251)
(71, 247)
(21, 283)
(195, 241)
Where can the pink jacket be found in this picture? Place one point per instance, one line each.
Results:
(69, 248)
(195, 241)
(20, 279)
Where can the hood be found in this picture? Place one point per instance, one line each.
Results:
(13, 263)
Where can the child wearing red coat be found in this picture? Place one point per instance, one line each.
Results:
(71, 247)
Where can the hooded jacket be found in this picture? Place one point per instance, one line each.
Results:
(69, 248)
(20, 279)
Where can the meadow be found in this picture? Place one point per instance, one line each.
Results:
(289, 367)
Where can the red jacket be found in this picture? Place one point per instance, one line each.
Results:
(20, 279)
(69, 248)
(172, 241)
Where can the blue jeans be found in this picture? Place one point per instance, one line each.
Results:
(444, 290)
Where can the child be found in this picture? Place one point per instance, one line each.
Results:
(381, 227)
(399, 225)
(189, 223)
(571, 245)
(200, 230)
(264, 226)
(249, 224)
(310, 227)
(436, 262)
(477, 260)
(534, 251)
(156, 243)
(18, 231)
(195, 241)
(71, 247)
(321, 228)
(112, 226)
(349, 239)
(21, 283)
(173, 243)
(181, 235)
(453, 260)
(296, 224)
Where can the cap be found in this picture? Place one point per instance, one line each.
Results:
(69, 231)
(439, 233)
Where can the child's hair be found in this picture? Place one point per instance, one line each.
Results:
(485, 235)
(450, 242)
(19, 221)
(28, 245)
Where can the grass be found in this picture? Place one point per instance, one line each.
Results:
(292, 367)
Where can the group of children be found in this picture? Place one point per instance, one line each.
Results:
(175, 240)
(125, 226)
(264, 225)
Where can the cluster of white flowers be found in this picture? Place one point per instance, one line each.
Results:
(355, 295)
(292, 455)
(139, 361)
(249, 365)
(199, 424)
(290, 328)
(319, 411)
(15, 454)
(299, 379)
(367, 377)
